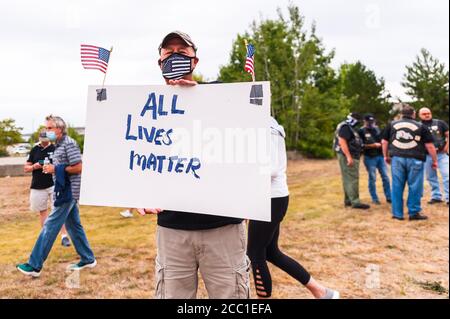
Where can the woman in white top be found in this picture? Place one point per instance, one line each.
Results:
(263, 237)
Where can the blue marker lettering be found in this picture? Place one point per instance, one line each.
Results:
(171, 160)
(174, 106)
(194, 167)
(151, 162)
(150, 106)
(180, 165)
(161, 160)
(127, 135)
(161, 111)
(141, 160)
(168, 137)
(151, 136)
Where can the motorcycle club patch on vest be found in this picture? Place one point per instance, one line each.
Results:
(406, 137)
(406, 140)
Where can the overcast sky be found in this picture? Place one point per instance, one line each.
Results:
(41, 72)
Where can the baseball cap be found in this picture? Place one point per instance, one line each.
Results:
(369, 117)
(178, 34)
(43, 135)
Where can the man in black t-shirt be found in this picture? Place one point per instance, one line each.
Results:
(348, 146)
(373, 158)
(405, 145)
(439, 131)
(187, 241)
(42, 184)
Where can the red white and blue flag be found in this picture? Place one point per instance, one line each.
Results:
(250, 61)
(95, 58)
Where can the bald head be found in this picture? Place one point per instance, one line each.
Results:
(425, 114)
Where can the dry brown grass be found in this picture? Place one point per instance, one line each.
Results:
(335, 244)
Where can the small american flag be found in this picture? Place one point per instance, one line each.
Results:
(93, 57)
(250, 61)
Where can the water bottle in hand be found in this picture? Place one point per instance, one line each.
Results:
(46, 162)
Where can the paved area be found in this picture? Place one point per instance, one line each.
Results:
(16, 160)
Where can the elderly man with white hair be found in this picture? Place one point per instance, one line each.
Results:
(66, 169)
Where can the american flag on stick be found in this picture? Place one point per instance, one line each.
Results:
(93, 57)
(250, 60)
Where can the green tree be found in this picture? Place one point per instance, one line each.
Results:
(426, 80)
(306, 98)
(199, 77)
(366, 92)
(77, 137)
(9, 135)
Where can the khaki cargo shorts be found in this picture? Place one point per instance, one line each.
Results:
(219, 254)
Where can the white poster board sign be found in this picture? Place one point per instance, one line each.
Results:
(202, 149)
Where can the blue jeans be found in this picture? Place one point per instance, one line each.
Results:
(69, 215)
(432, 176)
(373, 164)
(411, 171)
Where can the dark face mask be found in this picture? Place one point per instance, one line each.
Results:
(176, 66)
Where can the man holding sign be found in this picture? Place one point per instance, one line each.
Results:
(190, 242)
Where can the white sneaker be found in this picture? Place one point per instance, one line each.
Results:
(82, 265)
(126, 214)
(336, 295)
(332, 294)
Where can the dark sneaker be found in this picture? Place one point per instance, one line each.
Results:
(26, 269)
(435, 201)
(65, 241)
(418, 217)
(389, 201)
(376, 202)
(397, 218)
(348, 204)
(82, 265)
(361, 206)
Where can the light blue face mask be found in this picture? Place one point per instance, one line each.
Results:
(51, 136)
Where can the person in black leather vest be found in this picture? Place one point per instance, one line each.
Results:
(348, 146)
(405, 145)
(373, 158)
(439, 130)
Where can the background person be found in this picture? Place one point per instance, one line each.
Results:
(439, 131)
(66, 166)
(405, 146)
(41, 190)
(348, 146)
(263, 236)
(373, 158)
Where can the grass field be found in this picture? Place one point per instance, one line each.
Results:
(363, 255)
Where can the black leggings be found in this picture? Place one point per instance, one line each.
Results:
(263, 247)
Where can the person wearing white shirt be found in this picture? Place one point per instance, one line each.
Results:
(263, 236)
